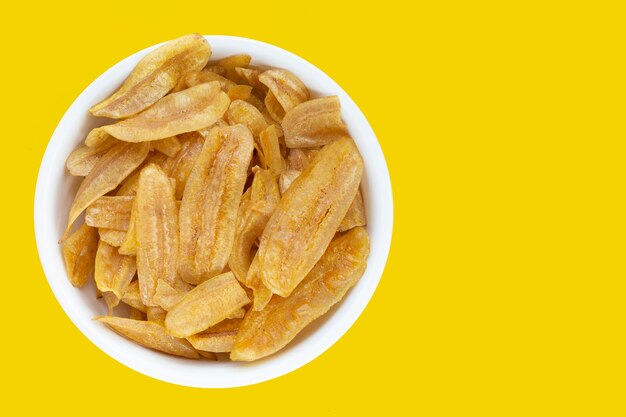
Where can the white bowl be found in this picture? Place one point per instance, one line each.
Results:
(56, 188)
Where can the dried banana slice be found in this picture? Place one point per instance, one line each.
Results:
(308, 216)
(132, 297)
(246, 114)
(251, 76)
(209, 206)
(206, 305)
(129, 243)
(151, 335)
(188, 110)
(113, 273)
(270, 148)
(79, 253)
(256, 207)
(168, 146)
(98, 137)
(82, 160)
(227, 65)
(181, 165)
(156, 315)
(314, 123)
(115, 165)
(167, 296)
(200, 77)
(273, 107)
(239, 92)
(111, 236)
(154, 76)
(265, 332)
(355, 215)
(156, 225)
(129, 185)
(286, 88)
(286, 179)
(110, 212)
(218, 338)
(135, 314)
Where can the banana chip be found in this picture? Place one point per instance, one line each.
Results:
(154, 76)
(286, 88)
(151, 335)
(82, 160)
(206, 305)
(242, 112)
(113, 274)
(110, 212)
(218, 338)
(314, 123)
(156, 225)
(111, 236)
(209, 207)
(168, 146)
(188, 110)
(265, 332)
(106, 175)
(79, 253)
(308, 216)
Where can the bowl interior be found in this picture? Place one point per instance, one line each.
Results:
(56, 189)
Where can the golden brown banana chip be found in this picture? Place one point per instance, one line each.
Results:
(132, 297)
(256, 207)
(206, 305)
(129, 243)
(308, 216)
(270, 147)
(218, 338)
(286, 88)
(110, 212)
(168, 146)
(188, 110)
(242, 112)
(261, 294)
(265, 332)
(136, 314)
(79, 253)
(113, 273)
(129, 185)
(239, 92)
(200, 77)
(229, 65)
(154, 76)
(181, 165)
(111, 236)
(355, 215)
(286, 179)
(156, 225)
(156, 315)
(314, 123)
(251, 76)
(151, 335)
(98, 137)
(167, 296)
(109, 172)
(273, 107)
(82, 160)
(209, 206)
(256, 102)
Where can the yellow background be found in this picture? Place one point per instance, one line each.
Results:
(503, 127)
